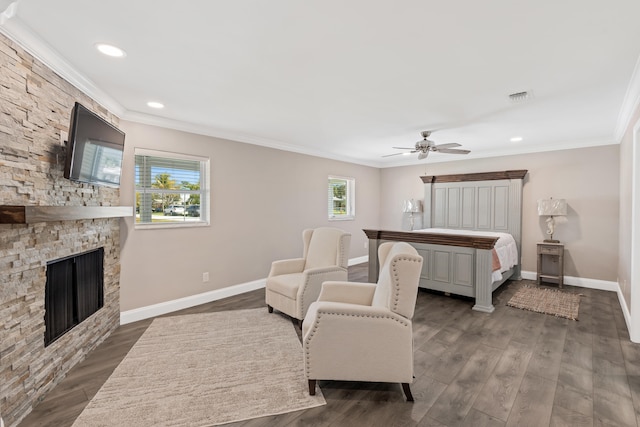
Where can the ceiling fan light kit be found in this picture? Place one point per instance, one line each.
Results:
(426, 145)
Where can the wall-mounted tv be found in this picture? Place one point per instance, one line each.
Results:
(94, 149)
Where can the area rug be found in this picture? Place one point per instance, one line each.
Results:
(547, 301)
(204, 370)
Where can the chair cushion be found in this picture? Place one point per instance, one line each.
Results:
(285, 284)
(323, 248)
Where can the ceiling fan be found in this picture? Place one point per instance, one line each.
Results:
(423, 147)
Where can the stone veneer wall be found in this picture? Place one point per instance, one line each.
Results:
(35, 106)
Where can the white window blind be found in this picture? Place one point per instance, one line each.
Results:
(171, 189)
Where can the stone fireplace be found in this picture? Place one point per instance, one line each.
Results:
(35, 104)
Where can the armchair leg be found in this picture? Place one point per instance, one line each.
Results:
(312, 387)
(269, 308)
(407, 392)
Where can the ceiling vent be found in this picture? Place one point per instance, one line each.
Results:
(520, 96)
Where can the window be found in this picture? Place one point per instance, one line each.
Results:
(341, 198)
(171, 189)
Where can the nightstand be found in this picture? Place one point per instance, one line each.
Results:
(552, 252)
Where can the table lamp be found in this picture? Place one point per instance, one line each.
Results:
(552, 208)
(411, 206)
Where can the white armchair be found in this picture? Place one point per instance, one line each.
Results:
(293, 284)
(363, 331)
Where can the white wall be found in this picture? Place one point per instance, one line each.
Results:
(629, 227)
(261, 200)
(625, 175)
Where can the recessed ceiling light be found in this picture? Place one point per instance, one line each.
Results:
(516, 139)
(110, 50)
(154, 104)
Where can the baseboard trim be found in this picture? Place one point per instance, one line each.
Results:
(149, 311)
(359, 260)
(603, 285)
(154, 310)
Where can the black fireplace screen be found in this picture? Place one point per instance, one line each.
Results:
(73, 292)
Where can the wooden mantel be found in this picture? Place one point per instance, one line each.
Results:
(32, 214)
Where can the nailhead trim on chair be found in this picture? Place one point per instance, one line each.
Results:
(396, 283)
(319, 314)
(343, 262)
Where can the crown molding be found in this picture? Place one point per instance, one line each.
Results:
(12, 27)
(200, 129)
(629, 104)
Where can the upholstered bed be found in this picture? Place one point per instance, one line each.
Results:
(464, 216)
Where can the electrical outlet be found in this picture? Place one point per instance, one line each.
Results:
(366, 244)
(205, 277)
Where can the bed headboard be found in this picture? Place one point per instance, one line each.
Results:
(488, 201)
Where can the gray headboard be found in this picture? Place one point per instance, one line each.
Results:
(488, 201)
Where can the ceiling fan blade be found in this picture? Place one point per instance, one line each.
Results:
(453, 151)
(450, 145)
(423, 155)
(394, 154)
(404, 148)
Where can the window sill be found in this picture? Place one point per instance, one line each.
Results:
(343, 218)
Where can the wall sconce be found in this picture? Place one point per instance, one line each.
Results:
(552, 208)
(411, 206)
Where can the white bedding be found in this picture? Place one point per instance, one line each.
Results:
(505, 247)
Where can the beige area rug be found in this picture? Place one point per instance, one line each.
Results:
(547, 301)
(205, 370)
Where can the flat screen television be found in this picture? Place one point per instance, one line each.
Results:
(94, 149)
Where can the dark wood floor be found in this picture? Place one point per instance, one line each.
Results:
(508, 368)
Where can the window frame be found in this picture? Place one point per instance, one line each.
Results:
(203, 192)
(350, 198)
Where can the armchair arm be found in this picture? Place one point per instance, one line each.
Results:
(357, 343)
(348, 292)
(322, 311)
(312, 281)
(286, 266)
(322, 270)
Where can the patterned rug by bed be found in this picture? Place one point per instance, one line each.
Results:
(203, 370)
(547, 301)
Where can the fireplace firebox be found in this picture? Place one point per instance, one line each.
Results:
(74, 290)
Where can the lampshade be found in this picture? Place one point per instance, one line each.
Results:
(412, 206)
(552, 207)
